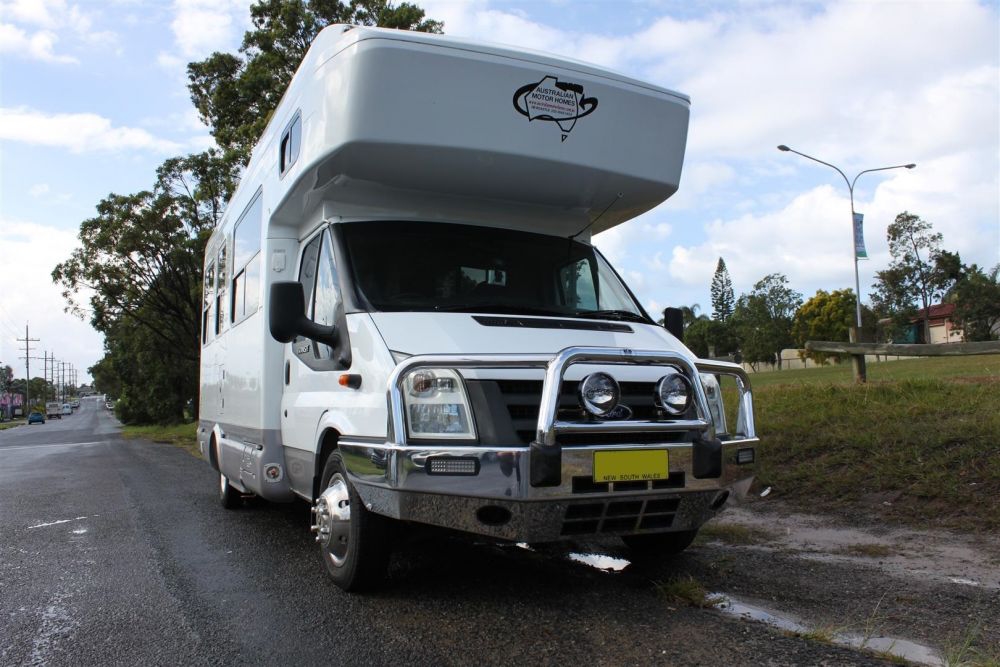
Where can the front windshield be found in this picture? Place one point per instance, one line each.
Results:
(422, 266)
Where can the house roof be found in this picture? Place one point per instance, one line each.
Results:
(938, 311)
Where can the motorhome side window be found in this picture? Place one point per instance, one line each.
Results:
(208, 300)
(220, 292)
(291, 139)
(246, 262)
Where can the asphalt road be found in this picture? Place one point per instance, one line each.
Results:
(117, 552)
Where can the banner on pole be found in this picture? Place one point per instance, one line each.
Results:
(859, 236)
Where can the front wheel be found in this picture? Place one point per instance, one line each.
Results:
(353, 542)
(660, 544)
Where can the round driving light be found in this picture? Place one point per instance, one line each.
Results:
(673, 393)
(599, 394)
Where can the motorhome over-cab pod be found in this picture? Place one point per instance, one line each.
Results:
(424, 123)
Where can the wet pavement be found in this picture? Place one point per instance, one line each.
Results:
(117, 552)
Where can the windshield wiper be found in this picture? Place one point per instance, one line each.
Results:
(499, 308)
(626, 315)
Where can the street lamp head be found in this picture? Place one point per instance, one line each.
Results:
(910, 166)
(783, 147)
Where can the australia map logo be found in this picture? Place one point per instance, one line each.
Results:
(555, 101)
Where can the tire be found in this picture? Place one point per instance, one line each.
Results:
(354, 543)
(229, 495)
(660, 544)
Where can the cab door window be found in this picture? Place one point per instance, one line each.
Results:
(321, 289)
(326, 298)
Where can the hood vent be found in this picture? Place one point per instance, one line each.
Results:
(544, 323)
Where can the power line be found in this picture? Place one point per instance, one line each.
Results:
(27, 340)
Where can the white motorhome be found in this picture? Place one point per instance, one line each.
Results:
(405, 320)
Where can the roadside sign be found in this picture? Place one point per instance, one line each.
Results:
(859, 236)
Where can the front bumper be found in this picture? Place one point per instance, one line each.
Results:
(504, 495)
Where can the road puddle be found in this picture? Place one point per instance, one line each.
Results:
(904, 648)
(56, 523)
(601, 562)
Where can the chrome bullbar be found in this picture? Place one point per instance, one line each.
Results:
(546, 453)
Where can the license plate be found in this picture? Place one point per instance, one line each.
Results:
(631, 465)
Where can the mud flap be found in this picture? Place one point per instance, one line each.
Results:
(545, 462)
(707, 458)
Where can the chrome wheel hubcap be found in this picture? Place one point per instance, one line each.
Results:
(332, 520)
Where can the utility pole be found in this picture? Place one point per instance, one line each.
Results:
(27, 340)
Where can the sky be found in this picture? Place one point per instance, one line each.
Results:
(93, 99)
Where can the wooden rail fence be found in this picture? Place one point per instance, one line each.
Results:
(859, 350)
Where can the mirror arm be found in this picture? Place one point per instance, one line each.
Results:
(317, 332)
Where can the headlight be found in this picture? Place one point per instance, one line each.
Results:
(673, 393)
(437, 406)
(713, 392)
(599, 394)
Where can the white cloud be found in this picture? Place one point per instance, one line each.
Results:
(39, 45)
(79, 132)
(47, 19)
(39, 189)
(203, 26)
(28, 253)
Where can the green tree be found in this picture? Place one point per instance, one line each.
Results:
(6, 376)
(762, 319)
(977, 303)
(40, 388)
(828, 316)
(723, 300)
(235, 94)
(690, 314)
(140, 261)
(920, 273)
(697, 337)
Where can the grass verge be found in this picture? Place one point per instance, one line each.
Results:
(12, 424)
(921, 439)
(688, 590)
(732, 533)
(183, 435)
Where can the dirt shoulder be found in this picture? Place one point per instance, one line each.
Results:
(935, 587)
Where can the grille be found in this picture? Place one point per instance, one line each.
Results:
(523, 398)
(620, 516)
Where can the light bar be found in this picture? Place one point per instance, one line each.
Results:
(452, 465)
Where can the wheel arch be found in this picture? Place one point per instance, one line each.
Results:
(329, 441)
(214, 437)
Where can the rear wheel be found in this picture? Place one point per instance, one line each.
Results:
(229, 495)
(353, 542)
(660, 544)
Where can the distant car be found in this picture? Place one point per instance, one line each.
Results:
(36, 418)
(67, 409)
(75, 404)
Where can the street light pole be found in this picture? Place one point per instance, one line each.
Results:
(860, 370)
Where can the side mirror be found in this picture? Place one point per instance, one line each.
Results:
(287, 316)
(673, 321)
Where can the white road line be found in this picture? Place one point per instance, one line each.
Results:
(61, 444)
(55, 523)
